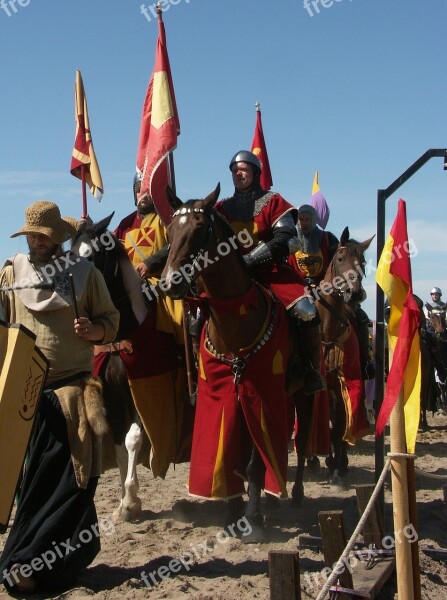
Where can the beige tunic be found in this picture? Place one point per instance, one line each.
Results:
(50, 316)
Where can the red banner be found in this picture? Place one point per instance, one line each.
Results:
(160, 127)
(258, 148)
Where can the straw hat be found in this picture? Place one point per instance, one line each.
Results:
(45, 217)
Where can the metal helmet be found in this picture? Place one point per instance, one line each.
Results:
(436, 290)
(248, 157)
(136, 185)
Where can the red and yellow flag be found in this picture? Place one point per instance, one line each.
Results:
(394, 277)
(160, 127)
(258, 147)
(83, 152)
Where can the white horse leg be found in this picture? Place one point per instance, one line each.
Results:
(122, 459)
(131, 503)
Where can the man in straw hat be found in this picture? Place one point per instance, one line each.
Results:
(48, 546)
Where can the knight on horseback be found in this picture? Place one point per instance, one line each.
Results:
(435, 337)
(314, 252)
(270, 220)
(435, 302)
(149, 348)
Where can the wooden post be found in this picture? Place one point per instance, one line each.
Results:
(373, 528)
(284, 575)
(404, 566)
(412, 510)
(334, 542)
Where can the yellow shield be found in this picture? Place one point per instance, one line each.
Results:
(23, 373)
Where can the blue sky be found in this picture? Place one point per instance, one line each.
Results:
(356, 91)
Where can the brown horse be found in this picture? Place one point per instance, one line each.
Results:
(338, 299)
(205, 250)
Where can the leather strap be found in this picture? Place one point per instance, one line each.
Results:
(121, 346)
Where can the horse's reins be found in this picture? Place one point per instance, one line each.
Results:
(237, 363)
(345, 322)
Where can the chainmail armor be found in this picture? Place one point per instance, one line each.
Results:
(244, 207)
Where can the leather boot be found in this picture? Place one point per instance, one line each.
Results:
(310, 342)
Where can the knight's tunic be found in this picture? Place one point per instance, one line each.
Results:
(142, 236)
(256, 217)
(312, 265)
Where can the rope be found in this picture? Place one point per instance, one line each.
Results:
(430, 475)
(350, 545)
(401, 455)
(416, 469)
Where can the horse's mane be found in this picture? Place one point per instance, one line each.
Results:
(355, 247)
(122, 281)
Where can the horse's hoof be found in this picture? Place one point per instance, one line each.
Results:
(236, 509)
(297, 496)
(331, 463)
(313, 464)
(131, 512)
(256, 535)
(297, 502)
(272, 502)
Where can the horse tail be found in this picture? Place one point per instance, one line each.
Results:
(94, 406)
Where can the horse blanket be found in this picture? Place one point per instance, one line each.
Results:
(353, 391)
(157, 382)
(230, 415)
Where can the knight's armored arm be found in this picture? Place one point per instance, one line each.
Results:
(266, 254)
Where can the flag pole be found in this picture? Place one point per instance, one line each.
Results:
(84, 193)
(170, 157)
(401, 513)
(189, 355)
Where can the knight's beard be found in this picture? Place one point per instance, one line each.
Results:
(145, 210)
(43, 255)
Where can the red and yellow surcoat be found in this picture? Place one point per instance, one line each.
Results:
(312, 265)
(141, 237)
(287, 285)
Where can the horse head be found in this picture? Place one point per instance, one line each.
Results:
(199, 238)
(340, 290)
(95, 242)
(347, 267)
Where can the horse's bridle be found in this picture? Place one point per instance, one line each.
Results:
(188, 210)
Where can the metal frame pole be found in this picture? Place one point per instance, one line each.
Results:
(382, 196)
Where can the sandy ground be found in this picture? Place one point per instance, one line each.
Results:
(220, 567)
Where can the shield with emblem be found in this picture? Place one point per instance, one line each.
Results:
(22, 377)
